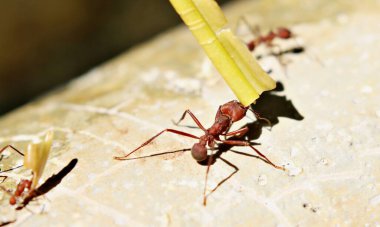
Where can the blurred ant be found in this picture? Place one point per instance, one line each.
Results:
(280, 32)
(22, 185)
(35, 159)
(24, 192)
(1, 158)
(226, 115)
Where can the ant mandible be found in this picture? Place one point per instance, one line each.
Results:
(227, 114)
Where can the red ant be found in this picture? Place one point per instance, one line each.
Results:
(24, 192)
(281, 33)
(22, 185)
(227, 114)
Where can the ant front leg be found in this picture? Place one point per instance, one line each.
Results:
(247, 144)
(3, 179)
(154, 137)
(193, 117)
(239, 132)
(236, 169)
(12, 147)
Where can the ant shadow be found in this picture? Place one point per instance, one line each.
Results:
(270, 106)
(49, 184)
(280, 53)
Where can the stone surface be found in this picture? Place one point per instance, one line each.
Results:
(331, 156)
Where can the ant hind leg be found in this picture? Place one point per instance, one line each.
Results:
(247, 144)
(154, 137)
(12, 147)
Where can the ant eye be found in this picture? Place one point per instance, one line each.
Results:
(199, 152)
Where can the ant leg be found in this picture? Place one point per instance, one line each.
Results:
(162, 153)
(10, 146)
(5, 190)
(209, 161)
(192, 116)
(244, 143)
(4, 178)
(259, 117)
(154, 137)
(241, 131)
(236, 169)
(8, 170)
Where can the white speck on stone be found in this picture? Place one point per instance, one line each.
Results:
(170, 75)
(20, 162)
(6, 153)
(324, 161)
(114, 185)
(120, 221)
(167, 166)
(189, 183)
(371, 187)
(294, 151)
(342, 18)
(378, 113)
(293, 170)
(128, 205)
(186, 86)
(56, 145)
(364, 57)
(127, 185)
(91, 176)
(106, 164)
(325, 93)
(138, 172)
(206, 68)
(150, 75)
(323, 126)
(262, 180)
(374, 201)
(366, 89)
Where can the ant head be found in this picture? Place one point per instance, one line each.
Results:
(251, 45)
(199, 152)
(234, 110)
(284, 33)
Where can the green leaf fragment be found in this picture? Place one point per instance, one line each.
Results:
(36, 156)
(228, 54)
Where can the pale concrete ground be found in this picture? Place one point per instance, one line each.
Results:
(332, 155)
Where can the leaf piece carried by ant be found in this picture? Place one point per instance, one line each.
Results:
(229, 55)
(36, 156)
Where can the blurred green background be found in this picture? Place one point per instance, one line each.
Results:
(44, 43)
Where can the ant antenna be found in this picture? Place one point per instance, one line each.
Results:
(258, 117)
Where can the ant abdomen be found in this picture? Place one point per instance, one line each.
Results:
(199, 152)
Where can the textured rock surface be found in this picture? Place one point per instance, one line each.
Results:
(332, 155)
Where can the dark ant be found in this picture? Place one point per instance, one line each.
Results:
(22, 185)
(280, 32)
(25, 193)
(227, 114)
